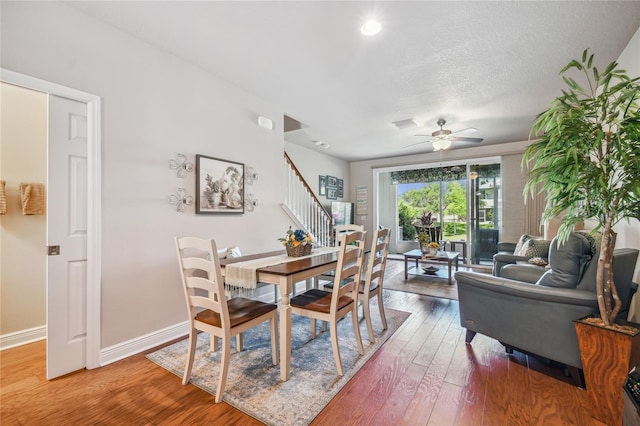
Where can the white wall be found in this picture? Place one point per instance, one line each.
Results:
(629, 233)
(153, 106)
(23, 143)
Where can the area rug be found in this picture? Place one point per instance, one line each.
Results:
(421, 283)
(253, 382)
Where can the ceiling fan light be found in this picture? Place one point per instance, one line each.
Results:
(371, 27)
(440, 144)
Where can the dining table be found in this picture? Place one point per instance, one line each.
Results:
(285, 275)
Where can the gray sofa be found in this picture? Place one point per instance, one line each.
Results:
(506, 256)
(533, 308)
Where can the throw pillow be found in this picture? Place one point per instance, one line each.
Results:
(521, 242)
(234, 252)
(537, 248)
(222, 253)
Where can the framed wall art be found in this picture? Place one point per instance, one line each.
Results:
(322, 185)
(219, 186)
(340, 189)
(332, 194)
(332, 182)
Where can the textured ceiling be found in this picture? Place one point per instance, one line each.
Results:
(489, 65)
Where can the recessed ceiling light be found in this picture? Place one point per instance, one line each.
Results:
(371, 27)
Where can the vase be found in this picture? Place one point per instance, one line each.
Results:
(433, 251)
(607, 356)
(424, 248)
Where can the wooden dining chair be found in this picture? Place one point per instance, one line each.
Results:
(371, 286)
(339, 230)
(209, 309)
(331, 306)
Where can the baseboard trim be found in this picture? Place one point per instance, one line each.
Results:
(134, 346)
(22, 337)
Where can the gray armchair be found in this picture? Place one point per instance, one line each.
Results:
(538, 318)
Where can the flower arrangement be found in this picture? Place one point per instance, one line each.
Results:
(424, 237)
(434, 245)
(426, 220)
(297, 243)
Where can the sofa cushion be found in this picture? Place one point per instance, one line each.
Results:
(567, 262)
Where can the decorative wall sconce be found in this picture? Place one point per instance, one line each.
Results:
(181, 166)
(180, 199)
(250, 202)
(250, 175)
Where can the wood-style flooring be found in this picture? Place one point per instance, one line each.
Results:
(424, 374)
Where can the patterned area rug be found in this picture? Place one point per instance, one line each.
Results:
(253, 382)
(421, 283)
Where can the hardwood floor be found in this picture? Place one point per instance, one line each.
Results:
(424, 375)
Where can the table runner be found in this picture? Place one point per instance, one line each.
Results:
(244, 275)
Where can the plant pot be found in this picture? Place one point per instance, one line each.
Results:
(299, 250)
(424, 248)
(607, 357)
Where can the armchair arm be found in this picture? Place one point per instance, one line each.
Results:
(500, 260)
(530, 291)
(506, 246)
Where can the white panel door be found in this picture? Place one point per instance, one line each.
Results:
(66, 228)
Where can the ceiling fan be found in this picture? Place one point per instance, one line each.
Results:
(442, 138)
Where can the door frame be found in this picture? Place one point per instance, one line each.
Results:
(94, 229)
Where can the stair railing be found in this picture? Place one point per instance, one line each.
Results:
(304, 208)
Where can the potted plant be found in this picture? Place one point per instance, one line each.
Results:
(587, 162)
(424, 235)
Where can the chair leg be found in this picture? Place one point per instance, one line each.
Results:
(383, 317)
(273, 322)
(213, 343)
(239, 342)
(334, 344)
(224, 368)
(275, 294)
(356, 327)
(469, 336)
(367, 316)
(193, 337)
(313, 328)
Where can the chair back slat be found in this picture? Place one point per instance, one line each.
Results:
(349, 268)
(377, 258)
(197, 256)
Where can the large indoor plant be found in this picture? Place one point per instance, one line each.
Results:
(587, 161)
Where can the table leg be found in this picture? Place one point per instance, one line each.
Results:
(450, 261)
(405, 267)
(285, 334)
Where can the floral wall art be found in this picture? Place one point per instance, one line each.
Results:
(219, 186)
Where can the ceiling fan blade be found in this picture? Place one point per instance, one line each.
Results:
(459, 139)
(413, 144)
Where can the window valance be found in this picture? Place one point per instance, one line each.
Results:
(436, 174)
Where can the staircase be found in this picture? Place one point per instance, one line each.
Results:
(302, 206)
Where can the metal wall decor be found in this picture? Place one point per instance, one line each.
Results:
(250, 175)
(180, 199)
(250, 202)
(181, 166)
